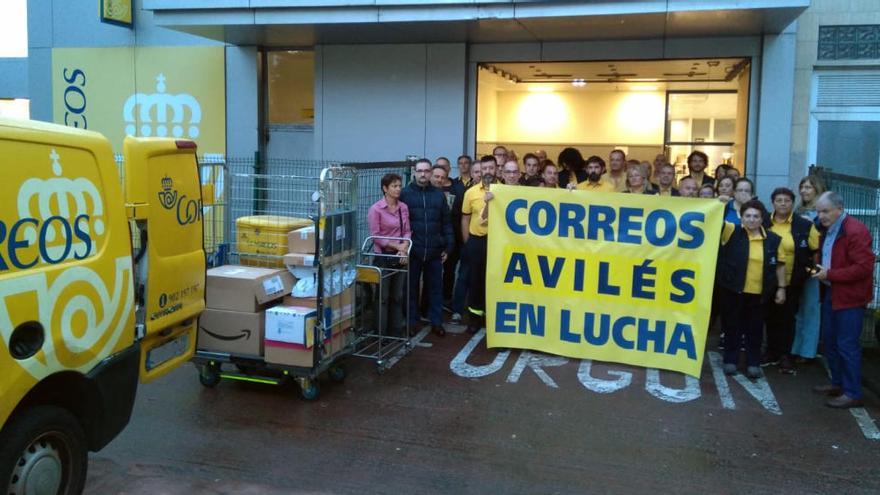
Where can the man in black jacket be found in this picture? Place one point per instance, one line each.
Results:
(431, 241)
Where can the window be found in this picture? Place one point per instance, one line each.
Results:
(291, 78)
(844, 132)
(704, 121)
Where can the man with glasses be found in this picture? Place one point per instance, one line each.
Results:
(432, 239)
(500, 154)
(510, 173)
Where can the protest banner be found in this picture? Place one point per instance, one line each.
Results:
(626, 278)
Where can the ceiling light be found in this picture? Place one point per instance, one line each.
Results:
(578, 83)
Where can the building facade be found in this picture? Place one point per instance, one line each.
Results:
(381, 80)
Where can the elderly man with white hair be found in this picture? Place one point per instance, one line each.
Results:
(846, 270)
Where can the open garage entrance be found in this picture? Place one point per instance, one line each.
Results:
(643, 107)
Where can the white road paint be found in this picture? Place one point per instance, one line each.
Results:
(535, 362)
(691, 390)
(760, 390)
(716, 363)
(866, 423)
(403, 351)
(863, 419)
(598, 385)
(459, 364)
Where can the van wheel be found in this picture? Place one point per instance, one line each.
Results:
(43, 450)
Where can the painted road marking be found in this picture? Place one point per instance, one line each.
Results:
(459, 364)
(624, 379)
(721, 381)
(403, 351)
(759, 389)
(863, 419)
(535, 362)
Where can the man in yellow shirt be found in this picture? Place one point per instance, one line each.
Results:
(617, 170)
(800, 240)
(474, 229)
(595, 178)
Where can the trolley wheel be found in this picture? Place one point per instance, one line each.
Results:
(308, 389)
(209, 375)
(337, 373)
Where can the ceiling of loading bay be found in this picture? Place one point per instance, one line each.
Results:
(688, 24)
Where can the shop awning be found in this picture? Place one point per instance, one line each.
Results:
(303, 23)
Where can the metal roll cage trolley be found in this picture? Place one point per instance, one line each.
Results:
(330, 202)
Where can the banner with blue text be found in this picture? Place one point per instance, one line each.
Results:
(626, 278)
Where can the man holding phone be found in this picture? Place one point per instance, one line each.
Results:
(846, 270)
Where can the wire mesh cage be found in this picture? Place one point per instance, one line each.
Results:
(265, 199)
(861, 197)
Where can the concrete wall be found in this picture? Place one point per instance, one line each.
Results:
(13, 77)
(384, 102)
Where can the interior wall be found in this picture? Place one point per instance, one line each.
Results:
(594, 117)
(641, 152)
(487, 113)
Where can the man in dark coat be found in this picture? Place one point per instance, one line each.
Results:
(431, 241)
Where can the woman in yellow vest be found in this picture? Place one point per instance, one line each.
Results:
(751, 274)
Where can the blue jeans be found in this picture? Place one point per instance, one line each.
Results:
(841, 330)
(806, 333)
(459, 298)
(433, 286)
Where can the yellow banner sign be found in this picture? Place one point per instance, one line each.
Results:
(614, 277)
(143, 91)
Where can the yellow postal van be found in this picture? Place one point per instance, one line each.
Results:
(101, 285)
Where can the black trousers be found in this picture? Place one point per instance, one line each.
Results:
(781, 323)
(476, 252)
(742, 319)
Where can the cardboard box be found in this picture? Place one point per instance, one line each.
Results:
(342, 306)
(302, 240)
(299, 259)
(233, 332)
(292, 325)
(299, 355)
(246, 289)
(305, 302)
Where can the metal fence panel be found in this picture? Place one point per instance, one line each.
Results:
(861, 196)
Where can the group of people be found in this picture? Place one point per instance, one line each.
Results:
(798, 271)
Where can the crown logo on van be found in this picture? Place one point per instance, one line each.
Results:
(167, 196)
(156, 111)
(61, 217)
